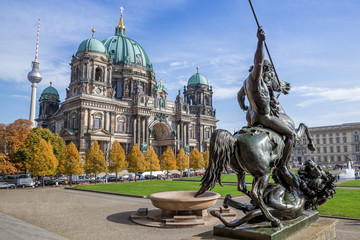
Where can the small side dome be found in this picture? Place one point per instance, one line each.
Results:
(49, 92)
(198, 78)
(92, 44)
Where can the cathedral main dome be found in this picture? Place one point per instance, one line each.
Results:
(124, 50)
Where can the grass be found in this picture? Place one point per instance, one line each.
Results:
(145, 188)
(344, 204)
(352, 183)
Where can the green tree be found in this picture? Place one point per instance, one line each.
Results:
(117, 158)
(182, 160)
(95, 160)
(59, 148)
(136, 160)
(43, 161)
(206, 159)
(152, 160)
(167, 160)
(71, 163)
(196, 159)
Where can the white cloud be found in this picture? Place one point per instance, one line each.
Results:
(317, 95)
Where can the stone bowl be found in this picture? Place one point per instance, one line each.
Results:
(183, 200)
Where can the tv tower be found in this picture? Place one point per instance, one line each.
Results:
(34, 76)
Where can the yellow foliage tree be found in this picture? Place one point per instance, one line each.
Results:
(43, 161)
(196, 159)
(167, 160)
(71, 164)
(206, 159)
(152, 160)
(136, 160)
(117, 158)
(95, 160)
(182, 160)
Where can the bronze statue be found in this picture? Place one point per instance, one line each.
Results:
(265, 145)
(264, 108)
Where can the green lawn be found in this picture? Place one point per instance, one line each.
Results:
(345, 203)
(352, 183)
(145, 188)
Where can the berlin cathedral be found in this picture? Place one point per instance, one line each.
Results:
(113, 95)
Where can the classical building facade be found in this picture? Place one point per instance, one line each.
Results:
(335, 145)
(113, 95)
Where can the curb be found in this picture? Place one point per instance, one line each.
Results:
(338, 217)
(110, 193)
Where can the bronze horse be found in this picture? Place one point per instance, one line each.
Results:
(255, 150)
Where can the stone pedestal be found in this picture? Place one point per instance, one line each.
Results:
(264, 231)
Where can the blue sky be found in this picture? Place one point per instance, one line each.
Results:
(314, 45)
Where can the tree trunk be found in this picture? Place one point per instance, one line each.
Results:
(116, 176)
(43, 181)
(95, 179)
(70, 180)
(135, 177)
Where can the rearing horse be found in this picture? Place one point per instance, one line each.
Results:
(255, 150)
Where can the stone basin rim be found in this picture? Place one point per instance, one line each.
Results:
(159, 196)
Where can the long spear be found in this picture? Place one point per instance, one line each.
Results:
(267, 50)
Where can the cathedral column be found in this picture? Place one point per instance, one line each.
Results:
(107, 121)
(138, 130)
(201, 140)
(82, 129)
(178, 135)
(147, 131)
(134, 130)
(187, 133)
(90, 123)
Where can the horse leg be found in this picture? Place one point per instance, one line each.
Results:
(300, 132)
(257, 193)
(283, 164)
(228, 201)
(241, 185)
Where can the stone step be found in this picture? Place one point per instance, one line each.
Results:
(184, 218)
(184, 224)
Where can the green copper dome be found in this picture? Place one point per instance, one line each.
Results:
(49, 91)
(124, 50)
(198, 78)
(92, 44)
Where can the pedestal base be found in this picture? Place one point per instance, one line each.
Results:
(264, 231)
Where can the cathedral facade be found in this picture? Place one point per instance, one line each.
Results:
(113, 94)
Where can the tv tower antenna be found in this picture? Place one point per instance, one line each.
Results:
(34, 76)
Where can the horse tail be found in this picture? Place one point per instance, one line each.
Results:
(222, 145)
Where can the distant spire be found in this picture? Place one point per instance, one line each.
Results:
(37, 42)
(197, 69)
(120, 29)
(50, 83)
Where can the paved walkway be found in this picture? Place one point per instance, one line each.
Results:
(56, 213)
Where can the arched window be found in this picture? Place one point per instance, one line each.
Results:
(77, 73)
(98, 74)
(121, 125)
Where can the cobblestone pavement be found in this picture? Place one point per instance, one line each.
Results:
(56, 213)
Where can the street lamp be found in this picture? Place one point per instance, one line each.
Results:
(186, 148)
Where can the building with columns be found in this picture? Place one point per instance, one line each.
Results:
(113, 94)
(335, 145)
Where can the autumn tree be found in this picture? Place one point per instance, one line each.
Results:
(59, 147)
(43, 161)
(182, 160)
(136, 160)
(71, 163)
(167, 160)
(6, 167)
(95, 160)
(152, 160)
(196, 159)
(206, 159)
(117, 158)
(12, 140)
